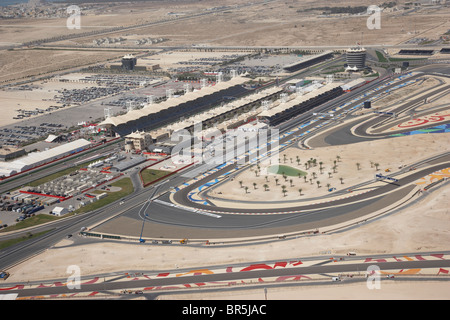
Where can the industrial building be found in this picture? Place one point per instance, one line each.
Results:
(128, 163)
(35, 159)
(355, 58)
(10, 152)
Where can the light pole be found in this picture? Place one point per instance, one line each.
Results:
(142, 230)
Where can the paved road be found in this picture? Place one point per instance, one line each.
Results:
(165, 220)
(234, 276)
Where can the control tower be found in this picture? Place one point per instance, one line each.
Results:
(355, 58)
(128, 62)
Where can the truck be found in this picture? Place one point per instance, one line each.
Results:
(335, 279)
(36, 209)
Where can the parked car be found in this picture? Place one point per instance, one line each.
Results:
(4, 275)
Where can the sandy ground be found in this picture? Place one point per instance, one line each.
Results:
(20, 64)
(276, 24)
(376, 151)
(42, 96)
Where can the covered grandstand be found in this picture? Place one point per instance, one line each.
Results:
(299, 103)
(153, 116)
(230, 114)
(416, 52)
(309, 61)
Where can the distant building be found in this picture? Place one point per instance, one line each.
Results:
(35, 3)
(129, 62)
(8, 153)
(355, 58)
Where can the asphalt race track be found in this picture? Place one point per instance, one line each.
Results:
(161, 219)
(206, 221)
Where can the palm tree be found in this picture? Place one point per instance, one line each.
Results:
(283, 190)
(358, 165)
(290, 180)
(306, 166)
(240, 182)
(276, 181)
(300, 191)
(266, 186)
(246, 189)
(254, 185)
(267, 179)
(318, 184)
(338, 158)
(328, 186)
(376, 166)
(329, 174)
(320, 166)
(342, 180)
(334, 169)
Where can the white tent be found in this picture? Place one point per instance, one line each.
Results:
(60, 211)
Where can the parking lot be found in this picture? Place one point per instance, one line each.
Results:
(71, 191)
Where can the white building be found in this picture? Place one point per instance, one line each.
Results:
(35, 159)
(60, 211)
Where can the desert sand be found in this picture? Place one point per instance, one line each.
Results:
(366, 154)
(277, 23)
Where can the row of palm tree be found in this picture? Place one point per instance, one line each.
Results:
(312, 162)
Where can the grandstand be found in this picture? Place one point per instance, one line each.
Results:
(299, 103)
(153, 116)
(224, 117)
(445, 50)
(415, 52)
(307, 62)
